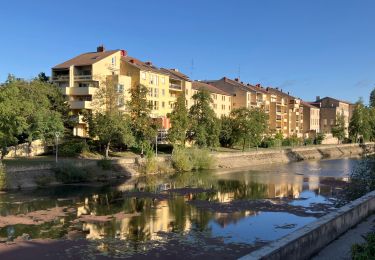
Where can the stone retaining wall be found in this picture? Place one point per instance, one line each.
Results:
(308, 240)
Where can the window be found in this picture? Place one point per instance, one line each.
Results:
(150, 92)
(325, 122)
(113, 61)
(143, 75)
(162, 80)
(215, 106)
(152, 79)
(120, 88)
(186, 92)
(163, 104)
(332, 122)
(156, 92)
(163, 92)
(222, 107)
(156, 80)
(223, 98)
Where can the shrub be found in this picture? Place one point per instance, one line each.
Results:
(73, 148)
(3, 177)
(268, 142)
(309, 141)
(105, 164)
(319, 138)
(191, 159)
(365, 250)
(70, 173)
(201, 159)
(181, 160)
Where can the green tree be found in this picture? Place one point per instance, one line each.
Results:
(205, 126)
(226, 133)
(179, 121)
(338, 130)
(372, 98)
(249, 126)
(143, 127)
(359, 124)
(111, 127)
(42, 77)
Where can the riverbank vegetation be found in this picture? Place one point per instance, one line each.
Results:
(365, 250)
(36, 109)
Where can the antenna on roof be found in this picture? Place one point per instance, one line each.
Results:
(239, 72)
(192, 69)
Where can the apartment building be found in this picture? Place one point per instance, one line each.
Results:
(311, 120)
(164, 86)
(80, 78)
(289, 112)
(330, 109)
(221, 100)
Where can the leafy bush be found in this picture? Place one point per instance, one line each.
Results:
(268, 142)
(105, 164)
(181, 160)
(365, 250)
(319, 138)
(191, 159)
(309, 141)
(201, 159)
(3, 177)
(73, 148)
(291, 141)
(70, 173)
(362, 179)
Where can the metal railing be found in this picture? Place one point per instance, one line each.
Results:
(175, 86)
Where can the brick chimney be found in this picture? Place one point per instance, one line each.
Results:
(100, 48)
(149, 63)
(237, 79)
(176, 70)
(317, 98)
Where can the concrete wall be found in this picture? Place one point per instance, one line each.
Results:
(262, 156)
(308, 240)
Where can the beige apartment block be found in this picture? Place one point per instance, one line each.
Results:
(80, 78)
(164, 86)
(221, 100)
(311, 120)
(289, 113)
(330, 109)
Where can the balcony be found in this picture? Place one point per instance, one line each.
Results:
(78, 104)
(79, 91)
(60, 78)
(175, 86)
(82, 77)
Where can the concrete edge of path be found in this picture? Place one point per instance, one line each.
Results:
(308, 240)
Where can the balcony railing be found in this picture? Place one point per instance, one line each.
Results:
(175, 86)
(82, 77)
(61, 78)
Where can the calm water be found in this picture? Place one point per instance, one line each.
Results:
(193, 215)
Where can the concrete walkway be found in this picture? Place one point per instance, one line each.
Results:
(340, 248)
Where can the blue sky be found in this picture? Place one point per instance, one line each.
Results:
(308, 48)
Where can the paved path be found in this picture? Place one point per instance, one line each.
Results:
(340, 248)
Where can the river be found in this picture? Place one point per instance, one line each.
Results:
(220, 214)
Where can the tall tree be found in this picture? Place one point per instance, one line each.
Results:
(205, 126)
(359, 124)
(338, 130)
(226, 132)
(143, 127)
(111, 127)
(179, 121)
(372, 98)
(249, 126)
(107, 122)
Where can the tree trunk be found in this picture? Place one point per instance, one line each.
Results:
(243, 145)
(107, 150)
